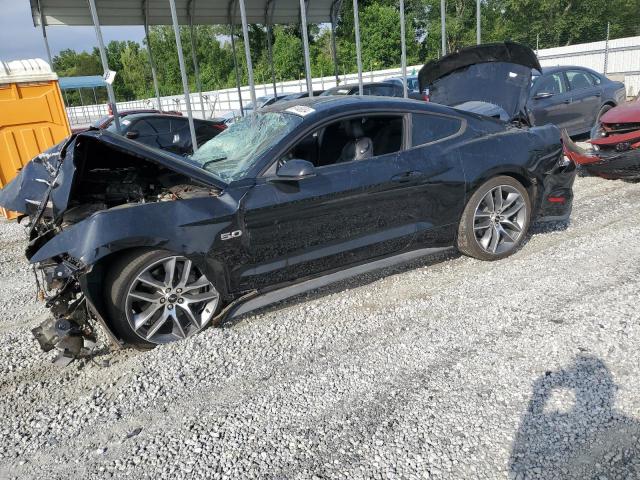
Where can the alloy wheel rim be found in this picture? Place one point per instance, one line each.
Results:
(169, 300)
(499, 219)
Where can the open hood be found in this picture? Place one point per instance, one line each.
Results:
(498, 74)
(46, 182)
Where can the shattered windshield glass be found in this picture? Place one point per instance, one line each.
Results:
(231, 154)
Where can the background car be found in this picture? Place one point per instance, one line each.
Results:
(572, 98)
(167, 132)
(413, 85)
(381, 89)
(107, 120)
(297, 96)
(296, 196)
(232, 116)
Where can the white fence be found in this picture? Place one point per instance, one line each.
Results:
(219, 102)
(619, 59)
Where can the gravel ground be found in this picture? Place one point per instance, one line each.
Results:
(447, 368)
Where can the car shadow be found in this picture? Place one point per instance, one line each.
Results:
(571, 429)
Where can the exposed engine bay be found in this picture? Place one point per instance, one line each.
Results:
(104, 179)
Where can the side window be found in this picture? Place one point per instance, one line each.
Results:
(552, 83)
(380, 90)
(428, 128)
(143, 127)
(579, 79)
(356, 138)
(596, 80)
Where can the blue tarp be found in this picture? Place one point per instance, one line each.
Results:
(71, 83)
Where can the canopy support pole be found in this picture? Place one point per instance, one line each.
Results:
(478, 35)
(443, 28)
(305, 46)
(403, 48)
(105, 64)
(247, 53)
(235, 55)
(154, 76)
(183, 72)
(44, 35)
(194, 57)
(267, 21)
(334, 51)
(356, 24)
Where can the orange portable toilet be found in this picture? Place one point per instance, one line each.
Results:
(32, 115)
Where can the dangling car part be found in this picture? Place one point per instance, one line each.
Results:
(155, 247)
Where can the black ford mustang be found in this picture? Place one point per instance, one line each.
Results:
(155, 247)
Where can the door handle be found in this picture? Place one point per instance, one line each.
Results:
(406, 176)
(567, 102)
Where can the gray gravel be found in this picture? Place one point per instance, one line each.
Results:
(448, 368)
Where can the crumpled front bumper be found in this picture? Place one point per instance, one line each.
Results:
(68, 326)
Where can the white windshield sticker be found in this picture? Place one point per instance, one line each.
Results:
(301, 110)
(513, 74)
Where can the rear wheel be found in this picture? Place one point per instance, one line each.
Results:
(495, 221)
(155, 297)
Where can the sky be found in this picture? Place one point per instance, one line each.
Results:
(19, 39)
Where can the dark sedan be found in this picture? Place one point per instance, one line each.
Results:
(572, 98)
(167, 132)
(381, 89)
(156, 247)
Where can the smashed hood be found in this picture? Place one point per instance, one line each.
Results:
(626, 113)
(45, 183)
(497, 74)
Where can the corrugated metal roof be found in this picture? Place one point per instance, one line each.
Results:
(205, 12)
(90, 81)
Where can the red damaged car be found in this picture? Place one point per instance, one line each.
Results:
(616, 145)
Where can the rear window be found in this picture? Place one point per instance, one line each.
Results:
(428, 128)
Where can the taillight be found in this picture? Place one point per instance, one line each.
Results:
(425, 97)
(556, 199)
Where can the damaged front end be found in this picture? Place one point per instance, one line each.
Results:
(613, 157)
(68, 329)
(94, 194)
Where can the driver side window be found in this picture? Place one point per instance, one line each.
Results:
(353, 139)
(553, 83)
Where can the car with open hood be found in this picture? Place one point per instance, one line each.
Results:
(154, 247)
(492, 79)
(506, 81)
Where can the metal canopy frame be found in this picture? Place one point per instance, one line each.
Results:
(176, 12)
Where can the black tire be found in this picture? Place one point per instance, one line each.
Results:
(468, 243)
(120, 279)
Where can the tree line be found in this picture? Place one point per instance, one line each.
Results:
(537, 23)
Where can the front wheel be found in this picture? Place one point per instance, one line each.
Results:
(495, 220)
(155, 297)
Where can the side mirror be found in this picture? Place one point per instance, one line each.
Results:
(541, 95)
(132, 134)
(295, 169)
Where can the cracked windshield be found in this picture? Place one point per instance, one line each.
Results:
(230, 155)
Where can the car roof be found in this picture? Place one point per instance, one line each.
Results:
(136, 116)
(562, 68)
(322, 104)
